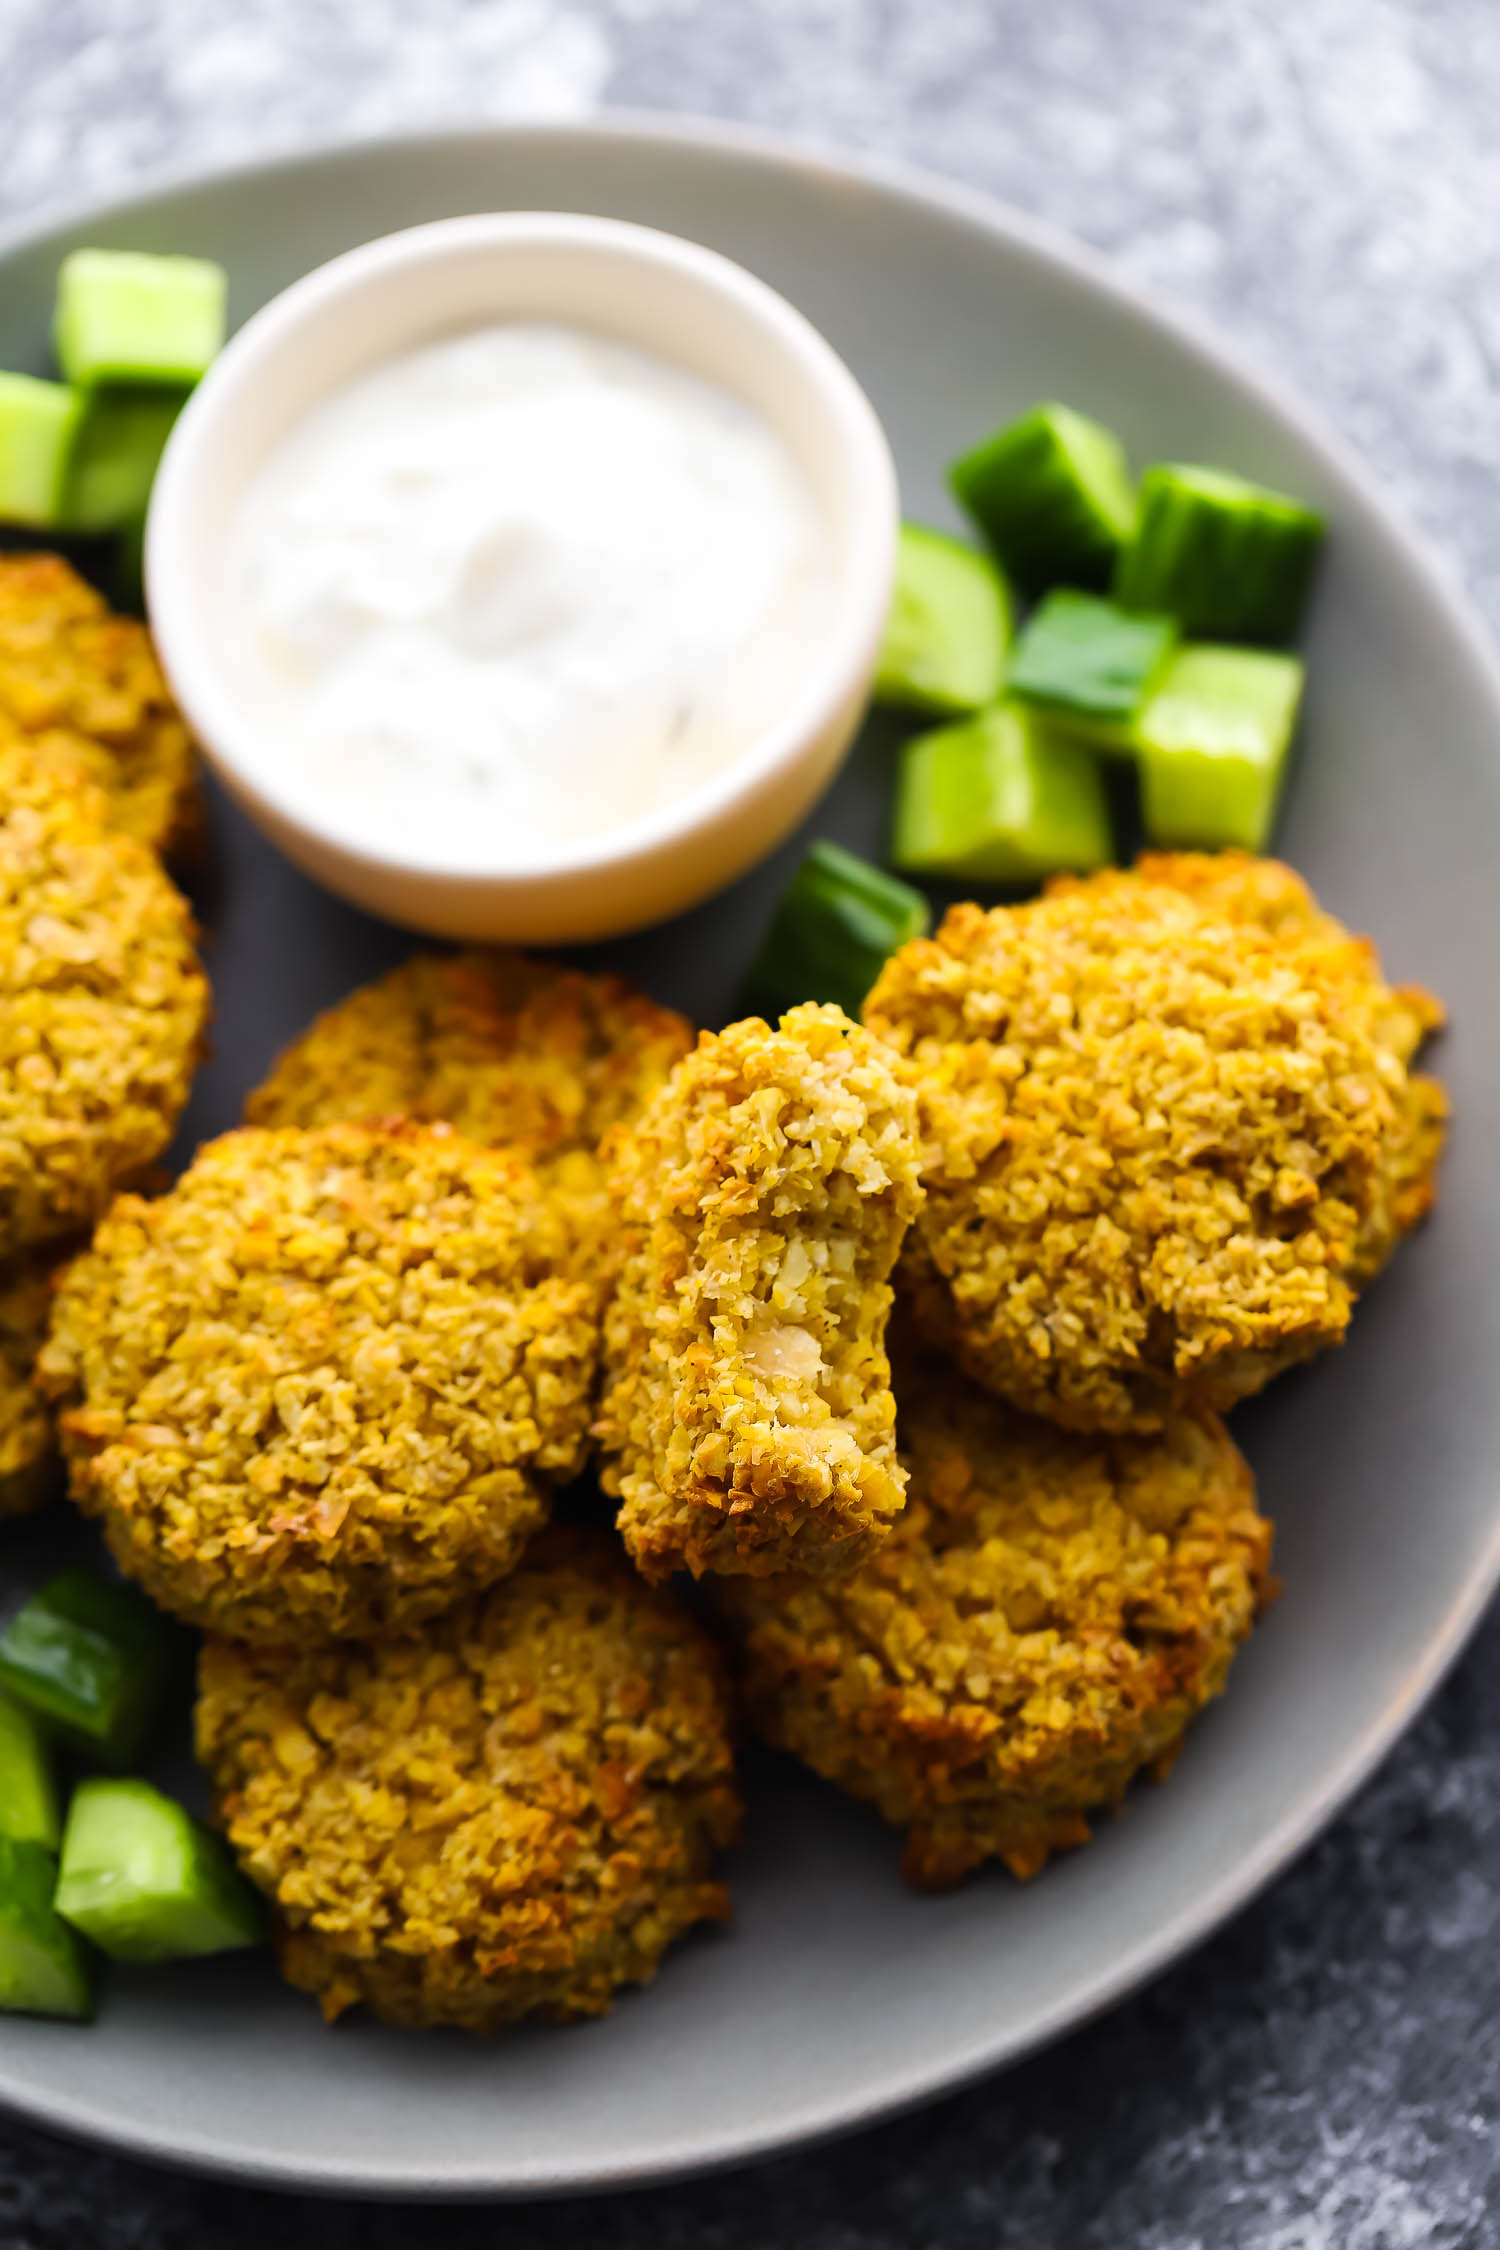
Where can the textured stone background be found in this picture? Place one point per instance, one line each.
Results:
(1324, 180)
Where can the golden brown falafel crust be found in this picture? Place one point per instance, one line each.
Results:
(512, 1813)
(84, 688)
(102, 1004)
(1044, 1620)
(747, 1415)
(26, 1432)
(322, 1385)
(509, 1050)
(1401, 1017)
(1162, 1142)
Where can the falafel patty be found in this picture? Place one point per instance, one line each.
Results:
(1400, 1017)
(1165, 1137)
(26, 1432)
(322, 1386)
(511, 1813)
(102, 1003)
(1046, 1617)
(83, 687)
(762, 1198)
(509, 1050)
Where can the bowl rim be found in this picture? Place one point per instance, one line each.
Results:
(839, 668)
(897, 2092)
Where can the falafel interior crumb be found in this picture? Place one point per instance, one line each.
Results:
(513, 1813)
(747, 1416)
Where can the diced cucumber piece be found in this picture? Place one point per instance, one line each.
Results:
(1229, 559)
(38, 422)
(1213, 742)
(948, 629)
(1000, 798)
(28, 1795)
(117, 446)
(93, 1658)
(1088, 664)
(838, 922)
(43, 1968)
(1052, 495)
(128, 316)
(146, 1882)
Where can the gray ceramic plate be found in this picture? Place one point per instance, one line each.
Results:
(838, 1996)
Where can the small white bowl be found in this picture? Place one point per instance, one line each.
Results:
(689, 306)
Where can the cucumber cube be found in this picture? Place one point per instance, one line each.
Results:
(37, 426)
(838, 922)
(1000, 798)
(146, 1882)
(1052, 495)
(1088, 664)
(949, 626)
(28, 1796)
(94, 1659)
(118, 442)
(1213, 743)
(1230, 560)
(124, 316)
(43, 1968)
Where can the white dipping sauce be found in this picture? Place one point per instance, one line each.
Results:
(516, 588)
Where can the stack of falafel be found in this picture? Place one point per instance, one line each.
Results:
(1116, 1157)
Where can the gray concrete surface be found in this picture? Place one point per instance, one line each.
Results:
(1323, 178)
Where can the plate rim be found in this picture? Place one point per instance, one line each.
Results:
(896, 2093)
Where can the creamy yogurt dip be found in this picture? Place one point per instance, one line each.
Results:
(516, 588)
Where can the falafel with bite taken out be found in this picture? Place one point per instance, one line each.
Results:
(747, 1418)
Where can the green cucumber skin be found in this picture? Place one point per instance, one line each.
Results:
(949, 627)
(29, 1812)
(44, 1969)
(147, 1883)
(1089, 664)
(837, 923)
(120, 437)
(94, 1660)
(1235, 566)
(1023, 488)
